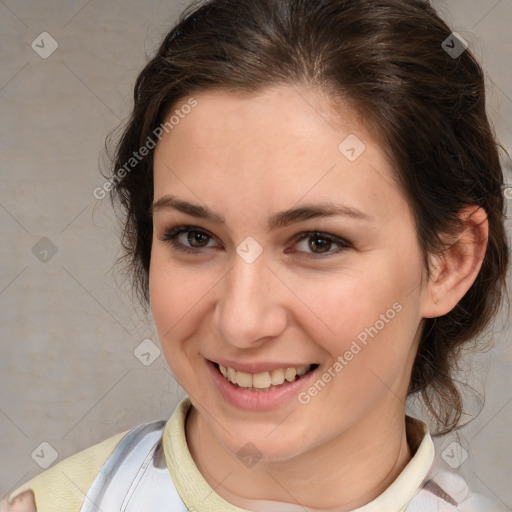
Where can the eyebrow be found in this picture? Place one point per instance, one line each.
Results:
(275, 221)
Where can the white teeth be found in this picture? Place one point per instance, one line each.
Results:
(232, 375)
(277, 377)
(289, 374)
(263, 380)
(244, 380)
(301, 370)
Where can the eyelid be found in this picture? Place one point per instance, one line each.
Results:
(322, 234)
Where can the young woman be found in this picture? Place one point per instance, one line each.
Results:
(313, 209)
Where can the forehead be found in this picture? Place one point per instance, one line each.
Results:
(276, 146)
(277, 118)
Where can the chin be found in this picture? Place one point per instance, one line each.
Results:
(257, 446)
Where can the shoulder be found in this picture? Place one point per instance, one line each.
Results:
(63, 487)
(445, 491)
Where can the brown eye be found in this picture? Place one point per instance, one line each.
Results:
(319, 244)
(197, 238)
(188, 239)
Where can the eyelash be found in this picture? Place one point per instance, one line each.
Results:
(172, 232)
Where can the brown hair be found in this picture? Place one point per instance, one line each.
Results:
(386, 58)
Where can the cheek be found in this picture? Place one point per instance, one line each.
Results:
(369, 313)
(180, 301)
(174, 289)
(169, 309)
(172, 296)
(368, 352)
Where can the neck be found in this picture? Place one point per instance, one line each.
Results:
(366, 459)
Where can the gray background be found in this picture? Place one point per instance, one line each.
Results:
(68, 373)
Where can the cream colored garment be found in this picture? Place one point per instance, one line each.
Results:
(198, 495)
(63, 487)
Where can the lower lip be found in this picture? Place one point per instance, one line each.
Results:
(258, 400)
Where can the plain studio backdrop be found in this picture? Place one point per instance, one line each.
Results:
(79, 362)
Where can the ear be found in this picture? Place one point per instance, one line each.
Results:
(456, 268)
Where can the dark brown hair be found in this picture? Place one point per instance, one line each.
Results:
(386, 58)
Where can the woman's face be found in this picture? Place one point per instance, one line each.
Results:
(299, 249)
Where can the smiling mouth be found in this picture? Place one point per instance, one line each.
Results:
(264, 381)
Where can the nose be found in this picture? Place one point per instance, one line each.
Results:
(251, 304)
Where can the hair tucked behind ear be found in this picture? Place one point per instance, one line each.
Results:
(385, 57)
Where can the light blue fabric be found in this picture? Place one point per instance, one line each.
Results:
(135, 477)
(444, 491)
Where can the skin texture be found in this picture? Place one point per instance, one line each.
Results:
(22, 503)
(247, 158)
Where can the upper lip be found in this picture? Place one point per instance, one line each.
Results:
(257, 367)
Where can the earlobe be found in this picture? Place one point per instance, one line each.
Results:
(456, 268)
